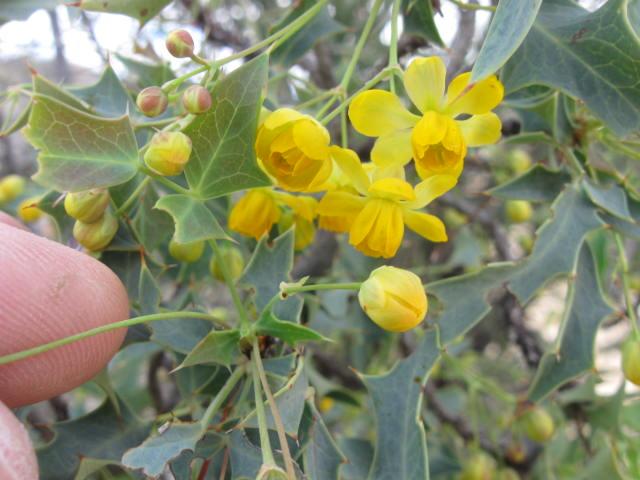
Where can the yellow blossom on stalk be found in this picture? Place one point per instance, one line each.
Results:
(381, 208)
(438, 138)
(294, 149)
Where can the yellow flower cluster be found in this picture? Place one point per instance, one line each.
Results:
(372, 202)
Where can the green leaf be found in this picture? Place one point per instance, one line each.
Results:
(360, 455)
(180, 334)
(559, 239)
(46, 87)
(612, 199)
(321, 456)
(147, 74)
(538, 184)
(418, 20)
(153, 227)
(101, 435)
(219, 346)
(246, 458)
(320, 26)
(509, 27)
(107, 96)
(142, 10)
(148, 292)
(401, 446)
(290, 332)
(223, 159)
(79, 151)
(593, 56)
(573, 354)
(194, 221)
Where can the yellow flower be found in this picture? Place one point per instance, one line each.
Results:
(379, 211)
(303, 211)
(438, 139)
(294, 149)
(393, 298)
(28, 210)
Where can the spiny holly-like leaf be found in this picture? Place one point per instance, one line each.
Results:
(46, 87)
(612, 199)
(509, 27)
(153, 226)
(211, 447)
(148, 292)
(418, 20)
(194, 221)
(107, 96)
(538, 184)
(246, 458)
(463, 300)
(223, 158)
(593, 56)
(101, 435)
(360, 455)
(142, 10)
(219, 346)
(629, 228)
(574, 349)
(559, 239)
(321, 455)
(290, 332)
(147, 74)
(180, 334)
(401, 446)
(79, 151)
(270, 264)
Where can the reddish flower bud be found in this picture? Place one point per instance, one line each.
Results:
(152, 101)
(196, 99)
(180, 44)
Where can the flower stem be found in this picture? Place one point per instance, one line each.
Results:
(165, 181)
(132, 198)
(472, 6)
(221, 396)
(322, 286)
(12, 357)
(624, 263)
(393, 44)
(265, 443)
(277, 419)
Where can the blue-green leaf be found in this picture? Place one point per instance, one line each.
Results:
(538, 184)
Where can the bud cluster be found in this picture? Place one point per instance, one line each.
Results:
(95, 226)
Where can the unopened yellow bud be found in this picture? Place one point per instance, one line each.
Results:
(168, 153)
(11, 187)
(152, 101)
(186, 252)
(393, 298)
(233, 259)
(196, 99)
(87, 206)
(479, 466)
(631, 360)
(538, 425)
(97, 235)
(326, 404)
(28, 210)
(519, 160)
(518, 211)
(180, 44)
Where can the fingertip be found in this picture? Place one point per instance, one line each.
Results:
(17, 457)
(12, 222)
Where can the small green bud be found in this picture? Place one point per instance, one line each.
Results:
(233, 259)
(28, 210)
(519, 160)
(631, 360)
(97, 235)
(538, 425)
(11, 187)
(168, 153)
(518, 211)
(271, 472)
(196, 99)
(479, 467)
(507, 474)
(186, 252)
(152, 101)
(180, 44)
(87, 206)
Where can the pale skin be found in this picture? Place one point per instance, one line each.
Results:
(48, 291)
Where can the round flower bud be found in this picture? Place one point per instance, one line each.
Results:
(479, 466)
(28, 210)
(232, 258)
(537, 424)
(516, 452)
(196, 99)
(97, 235)
(325, 404)
(271, 472)
(519, 160)
(168, 153)
(186, 252)
(631, 361)
(152, 101)
(180, 44)
(518, 211)
(393, 298)
(507, 474)
(11, 187)
(87, 206)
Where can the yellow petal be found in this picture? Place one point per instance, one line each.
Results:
(430, 130)
(393, 171)
(392, 189)
(424, 81)
(475, 99)
(337, 204)
(311, 138)
(254, 214)
(281, 117)
(425, 225)
(349, 162)
(301, 205)
(430, 189)
(482, 129)
(392, 149)
(378, 229)
(378, 112)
